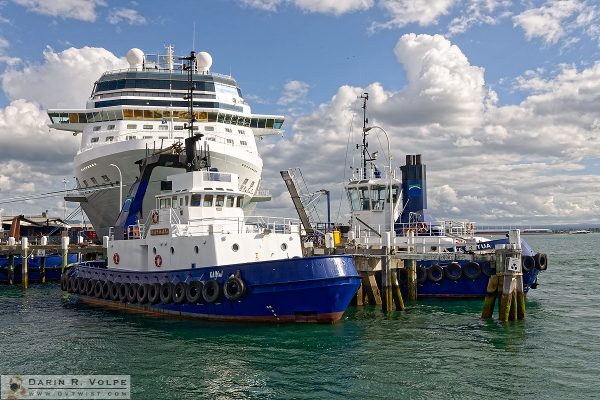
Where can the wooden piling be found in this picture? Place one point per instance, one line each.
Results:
(489, 303)
(24, 263)
(43, 269)
(396, 293)
(411, 272)
(11, 269)
(369, 284)
(64, 246)
(386, 298)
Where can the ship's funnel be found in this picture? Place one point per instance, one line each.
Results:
(414, 188)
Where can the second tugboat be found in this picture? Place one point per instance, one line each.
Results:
(197, 255)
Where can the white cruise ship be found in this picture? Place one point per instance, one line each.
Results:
(142, 109)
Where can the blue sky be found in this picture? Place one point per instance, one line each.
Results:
(499, 96)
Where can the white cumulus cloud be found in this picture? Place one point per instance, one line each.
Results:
(126, 15)
(84, 10)
(293, 92)
(404, 12)
(335, 7)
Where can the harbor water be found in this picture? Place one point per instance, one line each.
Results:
(434, 349)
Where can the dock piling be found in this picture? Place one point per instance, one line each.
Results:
(24, 262)
(44, 242)
(11, 269)
(411, 270)
(64, 246)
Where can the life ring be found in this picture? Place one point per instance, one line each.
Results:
(158, 261)
(132, 293)
(234, 288)
(435, 273)
(541, 261)
(116, 258)
(527, 263)
(421, 227)
(453, 271)
(179, 293)
(193, 293)
(421, 274)
(472, 270)
(211, 291)
(154, 293)
(155, 217)
(142, 293)
(166, 293)
(407, 231)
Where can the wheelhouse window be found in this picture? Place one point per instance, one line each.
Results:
(378, 197)
(220, 200)
(354, 196)
(364, 198)
(240, 201)
(174, 201)
(196, 198)
(208, 200)
(230, 201)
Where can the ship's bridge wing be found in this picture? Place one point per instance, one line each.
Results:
(264, 125)
(72, 120)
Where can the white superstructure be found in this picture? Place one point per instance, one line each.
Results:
(142, 109)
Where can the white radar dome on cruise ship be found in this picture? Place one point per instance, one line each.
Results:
(135, 58)
(204, 61)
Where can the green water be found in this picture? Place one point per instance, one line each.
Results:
(434, 349)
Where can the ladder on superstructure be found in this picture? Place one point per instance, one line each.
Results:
(303, 199)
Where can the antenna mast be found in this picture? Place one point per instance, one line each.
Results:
(363, 156)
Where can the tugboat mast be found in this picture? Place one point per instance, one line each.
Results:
(365, 97)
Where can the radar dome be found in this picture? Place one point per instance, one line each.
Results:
(135, 58)
(204, 61)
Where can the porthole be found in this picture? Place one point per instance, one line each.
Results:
(284, 246)
(154, 250)
(235, 247)
(172, 250)
(196, 249)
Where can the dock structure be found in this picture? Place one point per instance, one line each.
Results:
(23, 252)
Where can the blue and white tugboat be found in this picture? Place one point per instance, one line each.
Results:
(197, 255)
(439, 272)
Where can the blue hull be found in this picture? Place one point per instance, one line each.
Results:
(311, 289)
(465, 287)
(53, 268)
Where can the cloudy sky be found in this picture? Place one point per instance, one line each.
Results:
(501, 98)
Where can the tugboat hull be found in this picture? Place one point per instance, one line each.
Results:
(311, 289)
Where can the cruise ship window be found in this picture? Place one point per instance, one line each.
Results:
(131, 126)
(109, 138)
(230, 201)
(178, 127)
(230, 141)
(208, 200)
(196, 198)
(147, 126)
(209, 128)
(220, 200)
(133, 137)
(85, 183)
(163, 137)
(163, 128)
(243, 143)
(106, 178)
(94, 140)
(97, 128)
(241, 131)
(78, 184)
(147, 137)
(110, 127)
(252, 184)
(245, 181)
(228, 130)
(94, 181)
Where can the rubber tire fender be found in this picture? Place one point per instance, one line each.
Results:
(193, 293)
(471, 270)
(132, 293)
(142, 293)
(106, 290)
(234, 288)
(211, 291)
(527, 263)
(123, 290)
(166, 293)
(64, 282)
(114, 291)
(179, 293)
(154, 293)
(435, 273)
(89, 287)
(80, 285)
(453, 271)
(98, 289)
(541, 261)
(488, 268)
(71, 285)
